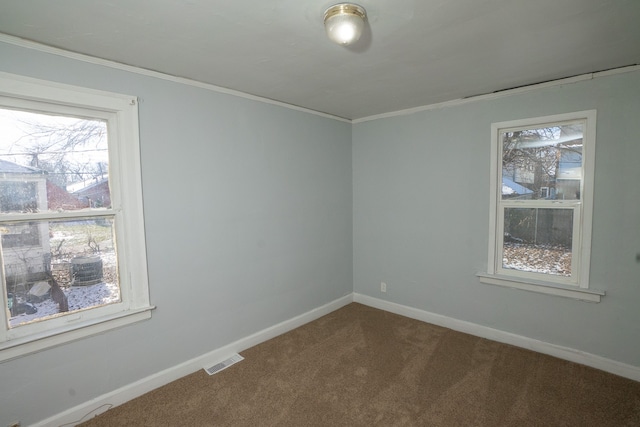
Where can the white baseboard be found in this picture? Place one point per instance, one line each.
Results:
(91, 408)
(566, 353)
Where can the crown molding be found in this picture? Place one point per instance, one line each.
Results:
(500, 93)
(28, 44)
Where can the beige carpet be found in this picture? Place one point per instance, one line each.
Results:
(360, 366)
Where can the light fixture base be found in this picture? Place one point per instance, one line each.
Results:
(344, 22)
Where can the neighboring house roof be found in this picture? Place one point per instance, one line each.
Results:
(96, 194)
(89, 188)
(10, 167)
(57, 198)
(77, 187)
(509, 187)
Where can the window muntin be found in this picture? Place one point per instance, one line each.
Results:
(64, 213)
(541, 206)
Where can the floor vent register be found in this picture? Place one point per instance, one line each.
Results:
(224, 364)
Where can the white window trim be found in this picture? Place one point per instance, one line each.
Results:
(590, 295)
(495, 275)
(122, 113)
(546, 192)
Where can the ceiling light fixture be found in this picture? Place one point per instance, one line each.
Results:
(344, 22)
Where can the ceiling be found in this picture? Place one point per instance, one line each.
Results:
(413, 52)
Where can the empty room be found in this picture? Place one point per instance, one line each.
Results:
(310, 213)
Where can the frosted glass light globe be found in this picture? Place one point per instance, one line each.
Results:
(344, 22)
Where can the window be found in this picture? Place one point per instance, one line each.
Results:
(541, 198)
(544, 192)
(72, 251)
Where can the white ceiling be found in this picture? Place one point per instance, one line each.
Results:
(413, 53)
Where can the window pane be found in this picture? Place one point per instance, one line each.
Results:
(52, 162)
(20, 235)
(70, 266)
(538, 240)
(18, 196)
(542, 163)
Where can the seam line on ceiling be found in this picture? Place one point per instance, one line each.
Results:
(17, 41)
(501, 93)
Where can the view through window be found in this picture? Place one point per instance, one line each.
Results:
(57, 229)
(540, 201)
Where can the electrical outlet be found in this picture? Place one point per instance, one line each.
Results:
(383, 287)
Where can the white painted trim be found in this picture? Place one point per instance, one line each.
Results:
(561, 352)
(20, 347)
(100, 404)
(28, 44)
(499, 94)
(525, 284)
(614, 71)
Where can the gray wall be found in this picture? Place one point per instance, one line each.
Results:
(248, 210)
(421, 214)
(248, 223)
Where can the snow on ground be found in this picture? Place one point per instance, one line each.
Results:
(537, 258)
(79, 297)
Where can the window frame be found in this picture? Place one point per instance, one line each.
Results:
(577, 286)
(544, 192)
(121, 114)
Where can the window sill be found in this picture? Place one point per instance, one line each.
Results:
(589, 295)
(34, 343)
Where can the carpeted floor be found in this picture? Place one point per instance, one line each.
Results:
(360, 366)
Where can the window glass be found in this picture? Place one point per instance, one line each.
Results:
(538, 240)
(541, 177)
(17, 196)
(542, 163)
(55, 163)
(52, 162)
(75, 268)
